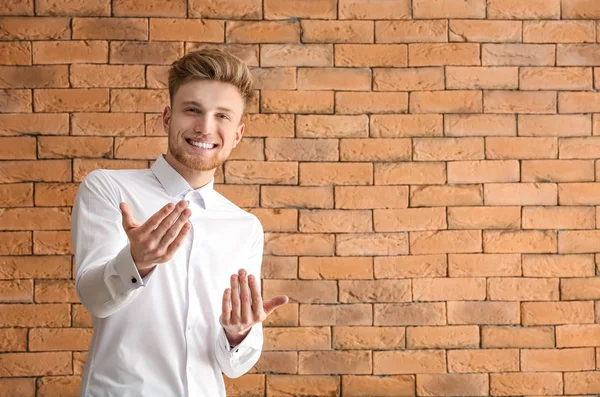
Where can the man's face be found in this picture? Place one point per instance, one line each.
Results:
(204, 123)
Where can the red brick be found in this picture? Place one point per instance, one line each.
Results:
(412, 266)
(15, 243)
(410, 219)
(408, 79)
(337, 362)
(453, 384)
(448, 9)
(570, 242)
(107, 124)
(556, 78)
(57, 339)
(40, 315)
(557, 313)
(577, 55)
(519, 102)
(524, 241)
(335, 268)
(580, 9)
(303, 386)
(35, 364)
(35, 219)
(374, 9)
(17, 148)
(579, 289)
(484, 171)
(517, 54)
(276, 101)
(406, 125)
(558, 218)
(278, 78)
(296, 55)
(337, 31)
(411, 31)
(409, 362)
(167, 29)
(241, 195)
(277, 220)
(299, 244)
(285, 316)
(363, 386)
(521, 194)
(296, 196)
(277, 362)
(15, 101)
(559, 31)
(558, 265)
(138, 100)
(436, 149)
(579, 148)
(344, 314)
(49, 386)
(526, 383)
(110, 28)
(13, 340)
(426, 173)
(223, 9)
(16, 7)
(479, 125)
(15, 53)
(448, 241)
(484, 217)
(335, 221)
(371, 197)
(80, 317)
(16, 195)
(535, 9)
(152, 53)
(472, 30)
(34, 124)
(582, 382)
(52, 243)
(55, 291)
(555, 125)
(66, 147)
(448, 337)
(149, 8)
(372, 291)
(289, 149)
(443, 54)
(321, 174)
(371, 55)
(375, 149)
(107, 76)
(475, 78)
(341, 79)
(578, 194)
(517, 337)
(454, 101)
(448, 289)
(257, 172)
(31, 28)
(577, 335)
(262, 32)
(410, 314)
(484, 265)
(350, 338)
(522, 289)
(302, 338)
(372, 244)
(521, 148)
(72, 52)
(34, 76)
(16, 291)
(284, 9)
(71, 100)
(483, 313)
(267, 125)
(371, 102)
(558, 360)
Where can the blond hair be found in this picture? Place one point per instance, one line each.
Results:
(215, 65)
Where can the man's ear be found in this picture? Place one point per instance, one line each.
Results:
(166, 118)
(239, 133)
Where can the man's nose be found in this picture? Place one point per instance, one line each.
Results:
(203, 125)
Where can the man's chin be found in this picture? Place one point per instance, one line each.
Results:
(199, 165)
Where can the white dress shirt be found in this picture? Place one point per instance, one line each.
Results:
(160, 335)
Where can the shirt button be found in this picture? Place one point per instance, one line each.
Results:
(133, 280)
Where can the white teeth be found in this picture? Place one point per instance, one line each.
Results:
(202, 145)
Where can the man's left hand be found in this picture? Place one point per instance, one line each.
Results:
(243, 307)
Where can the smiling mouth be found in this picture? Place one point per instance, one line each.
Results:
(201, 145)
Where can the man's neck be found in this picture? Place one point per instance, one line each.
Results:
(196, 179)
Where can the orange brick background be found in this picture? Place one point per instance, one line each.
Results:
(426, 173)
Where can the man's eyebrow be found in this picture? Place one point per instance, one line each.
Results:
(194, 103)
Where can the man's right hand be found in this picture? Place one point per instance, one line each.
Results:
(159, 237)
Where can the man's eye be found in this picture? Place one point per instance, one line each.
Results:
(224, 116)
(192, 110)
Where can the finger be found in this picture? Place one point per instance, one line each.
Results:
(129, 221)
(178, 240)
(174, 230)
(157, 218)
(226, 309)
(246, 309)
(235, 300)
(257, 304)
(274, 303)
(161, 229)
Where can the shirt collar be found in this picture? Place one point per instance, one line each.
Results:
(175, 184)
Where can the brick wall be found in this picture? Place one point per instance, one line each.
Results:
(425, 172)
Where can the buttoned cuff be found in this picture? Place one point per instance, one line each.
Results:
(251, 341)
(123, 268)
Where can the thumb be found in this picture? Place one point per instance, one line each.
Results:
(270, 306)
(129, 221)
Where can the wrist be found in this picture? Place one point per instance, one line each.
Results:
(236, 338)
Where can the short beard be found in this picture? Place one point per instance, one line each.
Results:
(192, 162)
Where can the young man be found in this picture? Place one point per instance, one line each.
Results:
(158, 251)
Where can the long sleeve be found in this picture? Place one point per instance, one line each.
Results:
(236, 361)
(106, 278)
